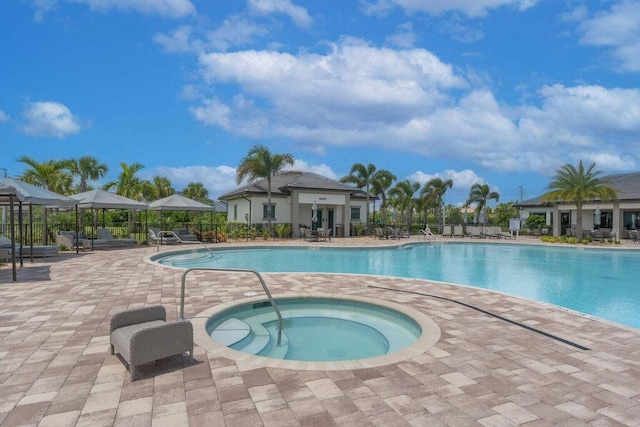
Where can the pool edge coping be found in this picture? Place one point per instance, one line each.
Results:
(431, 334)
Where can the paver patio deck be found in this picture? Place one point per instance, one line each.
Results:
(55, 369)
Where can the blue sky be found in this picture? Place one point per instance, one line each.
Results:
(501, 92)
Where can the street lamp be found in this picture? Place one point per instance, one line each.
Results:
(4, 210)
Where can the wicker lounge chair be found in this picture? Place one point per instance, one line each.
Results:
(184, 235)
(143, 335)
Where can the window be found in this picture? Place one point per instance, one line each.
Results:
(235, 212)
(355, 214)
(265, 211)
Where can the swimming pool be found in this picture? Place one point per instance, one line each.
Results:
(598, 282)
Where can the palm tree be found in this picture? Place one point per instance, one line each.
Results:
(50, 175)
(86, 168)
(403, 194)
(577, 185)
(480, 194)
(380, 184)
(196, 191)
(158, 188)
(504, 212)
(260, 163)
(128, 183)
(362, 176)
(435, 190)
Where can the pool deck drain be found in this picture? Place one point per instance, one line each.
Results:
(55, 368)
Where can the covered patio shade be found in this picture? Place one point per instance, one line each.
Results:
(34, 195)
(101, 199)
(177, 202)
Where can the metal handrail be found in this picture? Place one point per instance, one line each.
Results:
(233, 270)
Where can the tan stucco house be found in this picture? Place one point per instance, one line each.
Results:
(293, 194)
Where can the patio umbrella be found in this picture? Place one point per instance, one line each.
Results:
(466, 216)
(597, 216)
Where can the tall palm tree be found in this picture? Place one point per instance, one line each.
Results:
(86, 168)
(402, 194)
(480, 194)
(380, 184)
(261, 163)
(362, 176)
(435, 190)
(158, 188)
(196, 191)
(577, 185)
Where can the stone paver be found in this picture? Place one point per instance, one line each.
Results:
(55, 369)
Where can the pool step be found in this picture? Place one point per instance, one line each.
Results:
(231, 331)
(256, 341)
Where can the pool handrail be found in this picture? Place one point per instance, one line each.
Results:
(232, 270)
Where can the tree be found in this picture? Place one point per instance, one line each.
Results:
(480, 194)
(435, 189)
(196, 191)
(51, 174)
(158, 188)
(577, 185)
(504, 212)
(260, 163)
(362, 176)
(380, 184)
(129, 184)
(86, 168)
(402, 195)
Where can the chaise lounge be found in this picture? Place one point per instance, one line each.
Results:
(112, 242)
(39, 251)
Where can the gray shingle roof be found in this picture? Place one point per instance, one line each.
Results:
(627, 184)
(283, 182)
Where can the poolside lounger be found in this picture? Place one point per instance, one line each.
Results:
(104, 234)
(39, 251)
(162, 237)
(184, 235)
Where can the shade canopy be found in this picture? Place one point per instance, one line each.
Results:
(32, 195)
(6, 192)
(101, 199)
(176, 202)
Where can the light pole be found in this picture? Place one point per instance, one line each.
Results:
(4, 210)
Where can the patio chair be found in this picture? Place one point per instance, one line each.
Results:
(446, 231)
(457, 231)
(143, 335)
(162, 237)
(69, 239)
(104, 234)
(474, 232)
(184, 235)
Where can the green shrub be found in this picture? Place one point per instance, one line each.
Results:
(572, 240)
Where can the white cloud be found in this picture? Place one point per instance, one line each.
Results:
(407, 100)
(618, 29)
(50, 119)
(404, 36)
(298, 14)
(473, 8)
(4, 117)
(166, 8)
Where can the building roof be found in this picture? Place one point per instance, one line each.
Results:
(283, 183)
(627, 184)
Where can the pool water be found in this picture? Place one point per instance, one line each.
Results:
(314, 329)
(599, 282)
